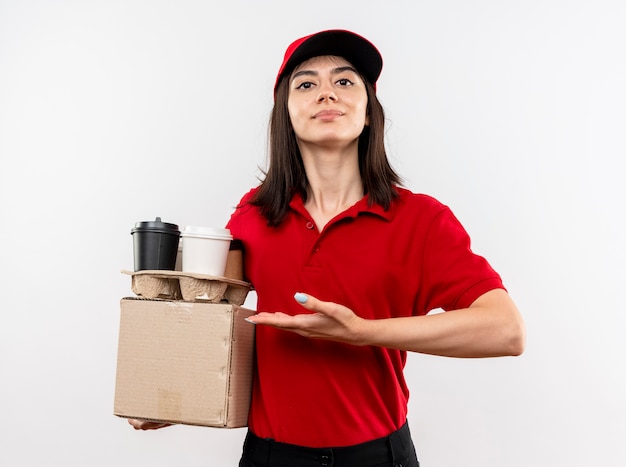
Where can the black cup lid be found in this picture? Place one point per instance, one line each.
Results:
(156, 225)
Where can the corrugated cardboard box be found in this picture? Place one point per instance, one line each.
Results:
(184, 362)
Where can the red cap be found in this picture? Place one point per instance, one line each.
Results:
(340, 42)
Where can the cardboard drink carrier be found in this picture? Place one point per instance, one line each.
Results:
(185, 351)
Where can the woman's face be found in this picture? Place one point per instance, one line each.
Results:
(327, 102)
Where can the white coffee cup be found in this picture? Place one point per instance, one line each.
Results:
(205, 250)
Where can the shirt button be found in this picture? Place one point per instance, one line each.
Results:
(310, 225)
(316, 249)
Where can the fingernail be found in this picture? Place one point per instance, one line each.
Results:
(300, 297)
(249, 320)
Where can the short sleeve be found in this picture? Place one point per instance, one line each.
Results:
(454, 276)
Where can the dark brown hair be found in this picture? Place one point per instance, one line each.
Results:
(286, 176)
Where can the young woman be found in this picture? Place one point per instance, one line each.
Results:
(346, 265)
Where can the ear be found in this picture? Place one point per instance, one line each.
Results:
(367, 120)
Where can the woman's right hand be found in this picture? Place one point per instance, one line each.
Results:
(146, 424)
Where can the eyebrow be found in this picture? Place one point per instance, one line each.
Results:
(334, 71)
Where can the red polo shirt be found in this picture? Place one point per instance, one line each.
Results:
(406, 261)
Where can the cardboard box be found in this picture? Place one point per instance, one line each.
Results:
(184, 362)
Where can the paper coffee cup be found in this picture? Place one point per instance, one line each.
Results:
(205, 250)
(155, 244)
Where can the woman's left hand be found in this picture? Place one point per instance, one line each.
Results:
(490, 327)
(329, 321)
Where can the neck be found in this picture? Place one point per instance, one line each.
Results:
(334, 182)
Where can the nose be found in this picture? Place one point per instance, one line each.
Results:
(326, 94)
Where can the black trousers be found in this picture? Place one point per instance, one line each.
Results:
(395, 450)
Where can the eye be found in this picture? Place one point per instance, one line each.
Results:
(344, 82)
(305, 85)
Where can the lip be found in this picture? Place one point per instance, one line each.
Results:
(328, 114)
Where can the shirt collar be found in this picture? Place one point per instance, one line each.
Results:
(360, 207)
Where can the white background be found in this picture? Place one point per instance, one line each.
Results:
(512, 113)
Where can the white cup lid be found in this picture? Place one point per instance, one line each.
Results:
(206, 232)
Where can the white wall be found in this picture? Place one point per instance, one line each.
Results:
(512, 113)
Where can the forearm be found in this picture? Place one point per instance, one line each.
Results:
(490, 327)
